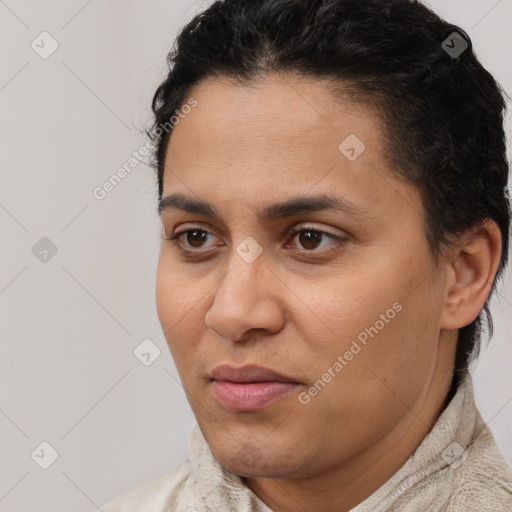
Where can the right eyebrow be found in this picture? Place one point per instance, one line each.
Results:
(271, 212)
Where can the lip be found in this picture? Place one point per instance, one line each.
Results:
(248, 373)
(249, 388)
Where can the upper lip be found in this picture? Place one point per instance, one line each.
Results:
(248, 373)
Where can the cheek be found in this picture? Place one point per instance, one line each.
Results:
(165, 294)
(378, 383)
(376, 321)
(341, 308)
(176, 294)
(178, 305)
(390, 355)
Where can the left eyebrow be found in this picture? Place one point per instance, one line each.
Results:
(270, 213)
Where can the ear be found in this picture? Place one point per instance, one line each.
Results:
(470, 274)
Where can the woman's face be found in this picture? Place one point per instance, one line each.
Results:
(348, 309)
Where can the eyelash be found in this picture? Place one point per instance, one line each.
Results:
(175, 240)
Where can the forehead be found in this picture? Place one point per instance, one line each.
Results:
(279, 137)
(296, 110)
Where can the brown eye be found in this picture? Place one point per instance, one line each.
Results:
(310, 239)
(195, 237)
(191, 242)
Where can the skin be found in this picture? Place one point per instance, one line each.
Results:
(296, 308)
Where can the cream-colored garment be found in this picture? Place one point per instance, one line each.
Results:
(457, 468)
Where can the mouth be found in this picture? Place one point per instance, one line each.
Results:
(249, 388)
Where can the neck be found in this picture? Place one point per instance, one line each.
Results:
(343, 487)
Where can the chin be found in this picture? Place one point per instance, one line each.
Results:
(250, 460)
(251, 449)
(245, 467)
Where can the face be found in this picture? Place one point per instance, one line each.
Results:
(342, 300)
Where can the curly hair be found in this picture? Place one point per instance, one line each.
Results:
(444, 114)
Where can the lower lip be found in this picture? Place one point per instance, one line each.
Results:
(251, 396)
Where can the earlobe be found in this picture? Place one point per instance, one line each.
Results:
(471, 274)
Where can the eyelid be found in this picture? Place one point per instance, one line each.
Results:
(305, 226)
(292, 232)
(334, 247)
(182, 229)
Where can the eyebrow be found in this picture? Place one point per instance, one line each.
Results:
(270, 213)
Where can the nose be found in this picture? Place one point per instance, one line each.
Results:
(246, 299)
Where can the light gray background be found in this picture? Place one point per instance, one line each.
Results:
(69, 325)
